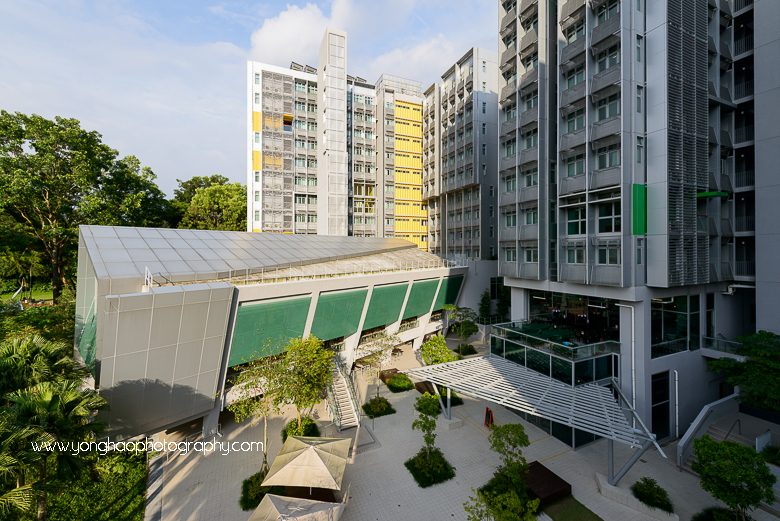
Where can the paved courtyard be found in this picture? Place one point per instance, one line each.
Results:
(378, 487)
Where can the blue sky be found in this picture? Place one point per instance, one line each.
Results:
(165, 81)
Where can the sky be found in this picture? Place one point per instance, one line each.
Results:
(165, 81)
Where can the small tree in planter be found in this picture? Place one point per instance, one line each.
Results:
(734, 474)
(428, 467)
(378, 355)
(466, 323)
(485, 305)
(435, 351)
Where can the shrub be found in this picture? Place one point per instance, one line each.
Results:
(308, 428)
(378, 406)
(454, 398)
(771, 455)
(649, 492)
(430, 469)
(252, 491)
(466, 349)
(399, 383)
(715, 514)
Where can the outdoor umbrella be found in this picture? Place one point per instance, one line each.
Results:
(310, 462)
(279, 508)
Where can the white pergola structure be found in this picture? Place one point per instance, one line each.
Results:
(591, 407)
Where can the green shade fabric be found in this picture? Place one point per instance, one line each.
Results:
(265, 327)
(639, 209)
(420, 298)
(448, 293)
(385, 306)
(338, 314)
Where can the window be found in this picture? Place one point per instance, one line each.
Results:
(532, 100)
(484, 169)
(257, 196)
(510, 183)
(491, 193)
(608, 58)
(257, 177)
(609, 107)
(511, 254)
(575, 120)
(531, 255)
(576, 256)
(300, 199)
(640, 145)
(491, 213)
(257, 215)
(484, 86)
(511, 218)
(608, 156)
(257, 97)
(484, 129)
(532, 61)
(575, 165)
(300, 105)
(484, 66)
(510, 112)
(639, 5)
(532, 216)
(532, 138)
(484, 107)
(639, 48)
(257, 137)
(531, 177)
(576, 221)
(575, 32)
(609, 217)
(575, 76)
(257, 79)
(491, 228)
(639, 99)
(609, 255)
(607, 10)
(639, 250)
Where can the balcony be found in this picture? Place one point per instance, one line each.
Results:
(605, 127)
(529, 116)
(529, 193)
(605, 177)
(712, 226)
(530, 38)
(508, 56)
(570, 185)
(572, 95)
(508, 126)
(508, 18)
(726, 229)
(605, 275)
(744, 134)
(507, 198)
(743, 45)
(603, 31)
(507, 233)
(743, 90)
(571, 51)
(669, 347)
(529, 78)
(528, 8)
(508, 91)
(573, 139)
(742, 4)
(507, 269)
(605, 78)
(745, 178)
(573, 273)
(529, 154)
(726, 271)
(745, 268)
(529, 232)
(407, 326)
(507, 162)
(529, 270)
(570, 14)
(746, 223)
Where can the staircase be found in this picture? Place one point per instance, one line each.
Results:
(718, 434)
(346, 412)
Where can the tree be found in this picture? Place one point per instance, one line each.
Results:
(435, 351)
(485, 305)
(427, 405)
(758, 375)
(182, 196)
(16, 456)
(378, 354)
(504, 301)
(64, 413)
(24, 263)
(28, 362)
(487, 506)
(217, 207)
(256, 387)
(465, 323)
(55, 176)
(305, 372)
(734, 474)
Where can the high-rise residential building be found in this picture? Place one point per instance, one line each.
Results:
(633, 134)
(461, 139)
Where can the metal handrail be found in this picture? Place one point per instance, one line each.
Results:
(351, 391)
(736, 422)
(690, 440)
(334, 408)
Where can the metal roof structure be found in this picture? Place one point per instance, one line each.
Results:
(186, 255)
(590, 408)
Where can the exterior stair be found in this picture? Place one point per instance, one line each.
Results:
(719, 434)
(347, 416)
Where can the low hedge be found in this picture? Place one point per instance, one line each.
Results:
(308, 428)
(430, 470)
(252, 493)
(454, 398)
(399, 383)
(378, 406)
(716, 514)
(649, 492)
(465, 350)
(771, 455)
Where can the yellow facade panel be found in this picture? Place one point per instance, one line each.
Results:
(256, 160)
(256, 121)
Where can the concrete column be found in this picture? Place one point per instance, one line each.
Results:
(520, 305)
(641, 337)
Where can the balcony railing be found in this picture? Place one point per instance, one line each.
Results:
(743, 45)
(507, 269)
(407, 326)
(528, 193)
(719, 344)
(605, 78)
(741, 4)
(508, 162)
(530, 38)
(573, 94)
(506, 198)
(745, 178)
(570, 351)
(745, 268)
(744, 89)
(529, 154)
(529, 77)
(529, 232)
(669, 348)
(508, 126)
(605, 177)
(746, 223)
(574, 139)
(529, 116)
(572, 50)
(529, 270)
(508, 18)
(569, 185)
(604, 29)
(508, 90)
(744, 134)
(508, 233)
(508, 54)
(605, 127)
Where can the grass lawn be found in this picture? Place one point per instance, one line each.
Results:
(570, 509)
(37, 295)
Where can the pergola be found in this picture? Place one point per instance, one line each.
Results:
(591, 407)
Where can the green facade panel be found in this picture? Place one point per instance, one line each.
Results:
(385, 306)
(338, 314)
(420, 298)
(639, 209)
(265, 327)
(448, 293)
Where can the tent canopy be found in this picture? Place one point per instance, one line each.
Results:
(310, 462)
(276, 508)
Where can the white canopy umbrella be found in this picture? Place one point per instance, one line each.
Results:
(310, 462)
(279, 508)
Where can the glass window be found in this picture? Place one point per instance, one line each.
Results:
(575, 165)
(531, 255)
(640, 144)
(639, 99)
(607, 10)
(484, 66)
(575, 120)
(532, 100)
(609, 107)
(532, 138)
(608, 58)
(575, 31)
(511, 254)
(257, 79)
(511, 218)
(257, 215)
(608, 156)
(575, 256)
(484, 107)
(609, 217)
(639, 48)
(531, 177)
(575, 76)
(575, 218)
(510, 183)
(609, 255)
(532, 216)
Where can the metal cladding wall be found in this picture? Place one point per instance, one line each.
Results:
(338, 314)
(385, 306)
(448, 294)
(421, 298)
(263, 327)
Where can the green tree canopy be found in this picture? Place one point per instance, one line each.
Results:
(758, 375)
(217, 207)
(485, 305)
(465, 323)
(427, 405)
(305, 373)
(435, 351)
(186, 190)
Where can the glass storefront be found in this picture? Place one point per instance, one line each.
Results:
(593, 319)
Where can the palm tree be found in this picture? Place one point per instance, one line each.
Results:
(64, 413)
(29, 361)
(16, 457)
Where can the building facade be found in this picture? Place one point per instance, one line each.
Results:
(628, 156)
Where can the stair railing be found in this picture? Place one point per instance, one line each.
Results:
(351, 390)
(333, 405)
(736, 422)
